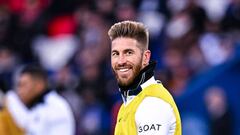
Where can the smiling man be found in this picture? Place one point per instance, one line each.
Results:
(148, 108)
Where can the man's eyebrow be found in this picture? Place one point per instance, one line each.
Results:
(127, 50)
(114, 51)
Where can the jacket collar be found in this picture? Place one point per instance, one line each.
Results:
(39, 99)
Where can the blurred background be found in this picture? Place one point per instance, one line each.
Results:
(196, 44)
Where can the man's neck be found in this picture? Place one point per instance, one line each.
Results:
(128, 97)
(144, 75)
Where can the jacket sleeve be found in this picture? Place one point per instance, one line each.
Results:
(17, 109)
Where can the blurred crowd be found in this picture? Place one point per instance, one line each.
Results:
(195, 43)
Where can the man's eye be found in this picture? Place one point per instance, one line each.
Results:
(129, 53)
(114, 54)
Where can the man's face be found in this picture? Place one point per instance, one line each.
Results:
(127, 59)
(27, 88)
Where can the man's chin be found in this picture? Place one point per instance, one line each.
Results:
(121, 84)
(124, 83)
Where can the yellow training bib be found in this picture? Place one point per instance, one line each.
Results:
(126, 116)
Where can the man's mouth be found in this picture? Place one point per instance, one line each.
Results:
(124, 69)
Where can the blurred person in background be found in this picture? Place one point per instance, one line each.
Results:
(147, 107)
(21, 18)
(221, 120)
(91, 88)
(36, 109)
(8, 63)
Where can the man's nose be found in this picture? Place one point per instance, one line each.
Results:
(122, 60)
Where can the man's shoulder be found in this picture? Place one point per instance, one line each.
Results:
(154, 108)
(159, 91)
(53, 97)
(56, 100)
(151, 103)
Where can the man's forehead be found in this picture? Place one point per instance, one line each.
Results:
(123, 43)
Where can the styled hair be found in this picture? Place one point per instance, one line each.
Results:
(130, 29)
(35, 71)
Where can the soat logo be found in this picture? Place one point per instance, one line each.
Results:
(150, 127)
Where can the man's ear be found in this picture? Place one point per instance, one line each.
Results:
(40, 87)
(146, 57)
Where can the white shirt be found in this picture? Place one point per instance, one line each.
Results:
(52, 117)
(154, 116)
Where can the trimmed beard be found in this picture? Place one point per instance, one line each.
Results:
(136, 71)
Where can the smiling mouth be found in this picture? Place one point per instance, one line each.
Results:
(124, 70)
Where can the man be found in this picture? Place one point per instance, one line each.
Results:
(37, 110)
(148, 108)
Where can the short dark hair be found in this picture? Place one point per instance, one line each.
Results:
(130, 29)
(35, 71)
